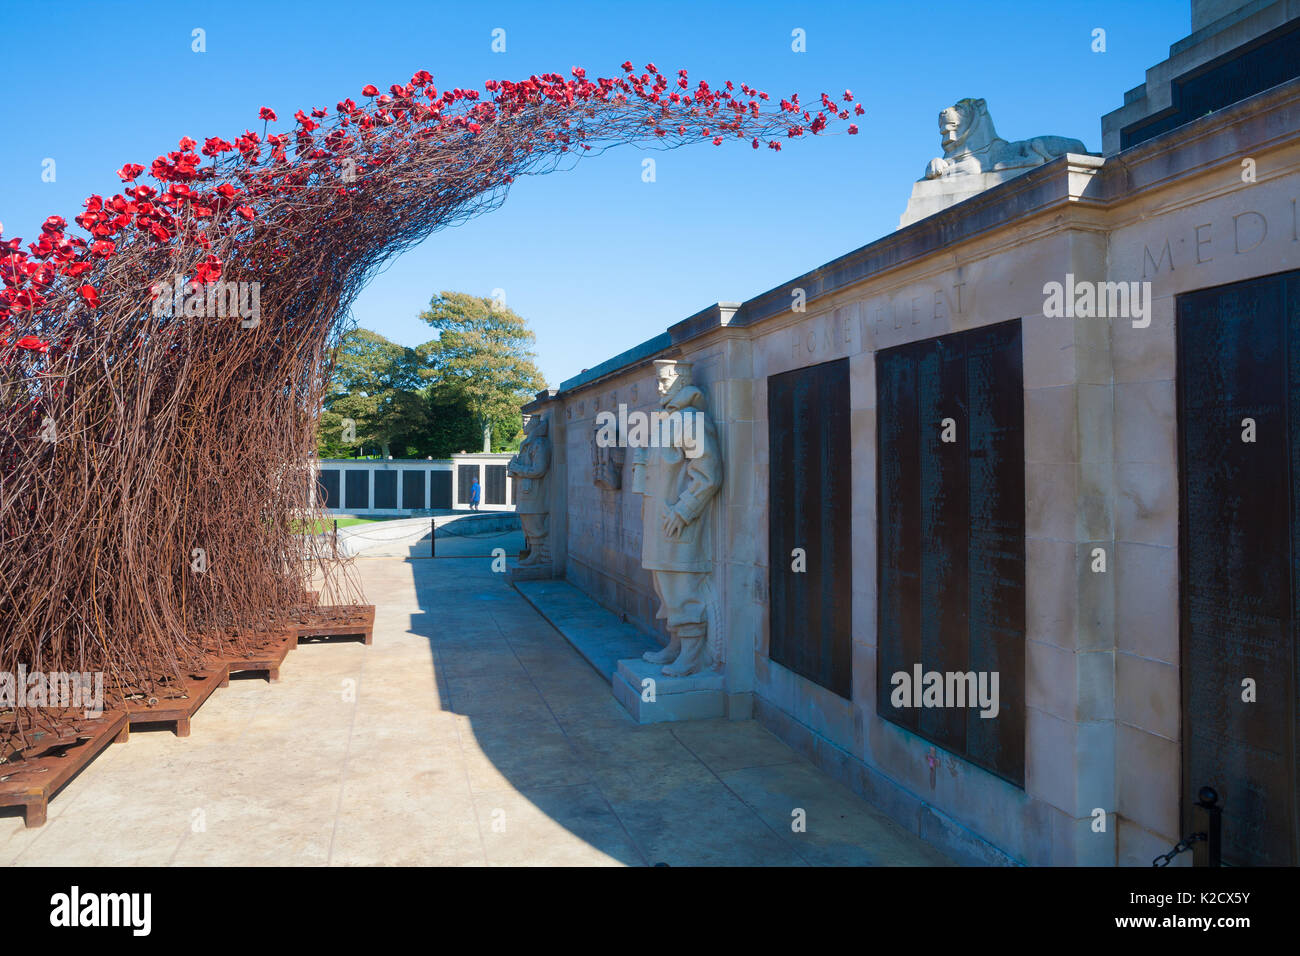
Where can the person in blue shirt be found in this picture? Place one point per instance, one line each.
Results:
(474, 492)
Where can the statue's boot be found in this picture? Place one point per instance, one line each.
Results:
(537, 554)
(693, 658)
(665, 655)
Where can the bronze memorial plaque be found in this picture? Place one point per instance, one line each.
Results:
(810, 509)
(328, 488)
(951, 536)
(1239, 439)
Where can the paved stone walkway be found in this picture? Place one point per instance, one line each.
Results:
(470, 733)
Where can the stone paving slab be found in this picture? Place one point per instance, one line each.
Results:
(469, 734)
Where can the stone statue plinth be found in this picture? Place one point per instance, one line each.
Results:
(527, 572)
(935, 195)
(651, 697)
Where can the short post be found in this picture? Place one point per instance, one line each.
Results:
(336, 533)
(1207, 818)
(433, 537)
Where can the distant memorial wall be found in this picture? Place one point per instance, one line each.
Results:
(404, 487)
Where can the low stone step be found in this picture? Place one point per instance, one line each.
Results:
(614, 649)
(595, 633)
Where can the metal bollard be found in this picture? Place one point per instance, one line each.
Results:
(1207, 818)
(433, 537)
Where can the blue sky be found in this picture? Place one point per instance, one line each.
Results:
(596, 259)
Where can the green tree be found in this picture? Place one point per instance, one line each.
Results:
(449, 395)
(378, 386)
(483, 360)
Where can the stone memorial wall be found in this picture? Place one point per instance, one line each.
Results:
(1069, 320)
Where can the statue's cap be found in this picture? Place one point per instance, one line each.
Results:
(675, 364)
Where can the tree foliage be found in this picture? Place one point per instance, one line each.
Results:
(483, 355)
(377, 385)
(435, 399)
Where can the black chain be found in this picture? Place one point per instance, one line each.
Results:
(1182, 846)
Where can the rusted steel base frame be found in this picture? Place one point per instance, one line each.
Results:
(361, 623)
(180, 713)
(266, 659)
(35, 799)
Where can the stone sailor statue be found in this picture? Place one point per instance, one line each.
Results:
(529, 468)
(678, 474)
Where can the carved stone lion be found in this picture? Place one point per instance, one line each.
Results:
(971, 145)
